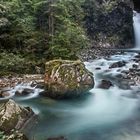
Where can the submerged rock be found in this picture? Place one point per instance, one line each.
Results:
(13, 116)
(66, 79)
(23, 92)
(105, 84)
(118, 64)
(58, 138)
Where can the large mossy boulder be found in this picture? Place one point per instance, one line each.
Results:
(13, 116)
(67, 79)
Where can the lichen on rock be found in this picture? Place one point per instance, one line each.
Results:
(13, 116)
(65, 78)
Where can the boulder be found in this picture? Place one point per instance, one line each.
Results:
(118, 64)
(66, 79)
(13, 116)
(24, 92)
(105, 84)
(98, 68)
(135, 66)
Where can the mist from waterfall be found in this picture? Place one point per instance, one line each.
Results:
(136, 24)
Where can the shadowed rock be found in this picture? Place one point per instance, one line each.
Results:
(118, 64)
(58, 138)
(105, 84)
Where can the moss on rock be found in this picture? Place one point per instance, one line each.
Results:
(64, 78)
(13, 116)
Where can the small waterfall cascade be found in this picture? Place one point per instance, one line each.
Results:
(136, 25)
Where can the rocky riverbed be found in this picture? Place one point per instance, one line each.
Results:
(115, 75)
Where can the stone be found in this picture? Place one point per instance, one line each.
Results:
(105, 84)
(15, 135)
(98, 68)
(4, 94)
(13, 116)
(135, 66)
(137, 56)
(117, 64)
(67, 79)
(24, 92)
(57, 138)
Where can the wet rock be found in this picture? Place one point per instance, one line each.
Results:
(119, 76)
(135, 66)
(98, 68)
(41, 86)
(24, 92)
(137, 56)
(14, 80)
(125, 71)
(15, 135)
(38, 83)
(131, 70)
(58, 138)
(67, 79)
(124, 84)
(13, 116)
(105, 84)
(27, 91)
(118, 64)
(4, 94)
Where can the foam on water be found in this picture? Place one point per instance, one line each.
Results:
(103, 110)
(22, 86)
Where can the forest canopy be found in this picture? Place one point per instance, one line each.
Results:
(34, 31)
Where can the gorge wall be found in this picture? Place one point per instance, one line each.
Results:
(109, 23)
(136, 5)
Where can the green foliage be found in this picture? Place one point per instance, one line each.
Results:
(39, 30)
(11, 63)
(65, 34)
(2, 136)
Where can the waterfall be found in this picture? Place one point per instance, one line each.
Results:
(136, 24)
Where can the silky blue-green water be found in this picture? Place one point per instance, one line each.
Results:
(105, 114)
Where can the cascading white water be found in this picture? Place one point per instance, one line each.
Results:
(136, 24)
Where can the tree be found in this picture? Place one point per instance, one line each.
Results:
(65, 32)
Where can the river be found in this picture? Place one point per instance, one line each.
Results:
(106, 114)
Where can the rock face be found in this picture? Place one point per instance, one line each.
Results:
(110, 23)
(13, 116)
(136, 5)
(66, 79)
